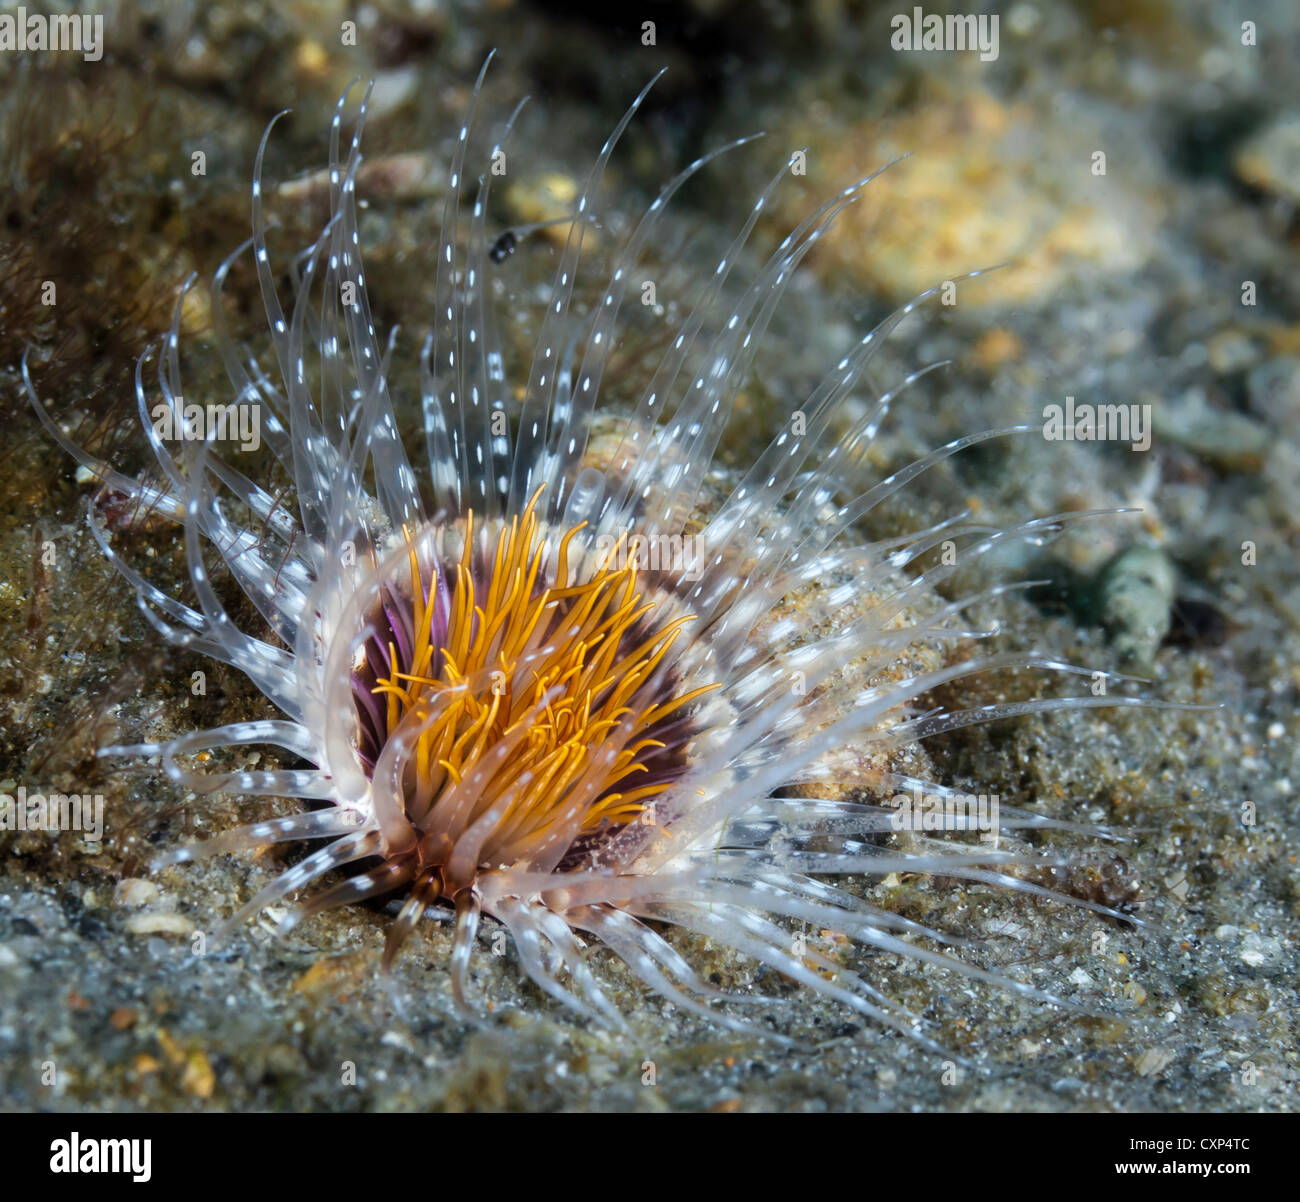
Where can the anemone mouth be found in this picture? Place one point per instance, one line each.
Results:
(521, 702)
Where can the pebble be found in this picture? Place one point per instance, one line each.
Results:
(1258, 950)
(134, 891)
(918, 220)
(198, 1077)
(163, 924)
(1233, 349)
(1135, 592)
(123, 1018)
(1227, 440)
(409, 175)
(1152, 1061)
(1273, 390)
(1270, 159)
(545, 198)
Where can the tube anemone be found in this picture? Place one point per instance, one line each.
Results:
(544, 677)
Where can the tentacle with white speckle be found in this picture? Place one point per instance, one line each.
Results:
(320, 824)
(341, 852)
(533, 419)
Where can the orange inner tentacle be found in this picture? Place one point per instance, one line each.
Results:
(583, 696)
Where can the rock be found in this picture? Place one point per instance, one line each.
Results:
(1270, 159)
(1258, 950)
(198, 1077)
(1134, 594)
(1234, 349)
(133, 892)
(1152, 1061)
(1230, 441)
(916, 226)
(1273, 389)
(408, 175)
(996, 347)
(159, 924)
